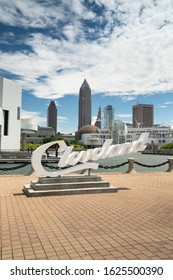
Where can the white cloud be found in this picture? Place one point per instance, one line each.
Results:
(30, 13)
(62, 119)
(124, 115)
(128, 97)
(42, 14)
(93, 120)
(132, 58)
(110, 4)
(162, 106)
(41, 121)
(168, 103)
(35, 115)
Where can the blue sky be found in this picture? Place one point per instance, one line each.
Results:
(123, 48)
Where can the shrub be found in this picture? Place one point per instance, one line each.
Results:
(167, 146)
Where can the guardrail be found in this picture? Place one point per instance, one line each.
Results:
(47, 163)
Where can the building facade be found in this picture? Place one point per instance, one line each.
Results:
(158, 135)
(52, 116)
(99, 117)
(118, 131)
(84, 117)
(143, 115)
(28, 127)
(41, 133)
(10, 114)
(92, 136)
(108, 116)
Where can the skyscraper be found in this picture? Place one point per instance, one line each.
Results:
(98, 120)
(52, 116)
(84, 105)
(143, 115)
(108, 115)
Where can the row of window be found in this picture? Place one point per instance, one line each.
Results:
(152, 135)
(153, 131)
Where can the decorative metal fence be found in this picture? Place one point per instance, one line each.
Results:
(23, 164)
(48, 164)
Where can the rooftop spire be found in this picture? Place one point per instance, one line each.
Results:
(98, 120)
(85, 84)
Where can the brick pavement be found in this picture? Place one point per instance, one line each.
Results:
(135, 223)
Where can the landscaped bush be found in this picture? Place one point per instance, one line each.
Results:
(167, 146)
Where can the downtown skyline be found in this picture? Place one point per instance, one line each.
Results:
(123, 49)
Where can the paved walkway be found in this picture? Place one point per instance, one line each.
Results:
(135, 223)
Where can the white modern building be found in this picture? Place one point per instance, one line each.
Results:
(158, 135)
(28, 126)
(120, 133)
(10, 111)
(11, 124)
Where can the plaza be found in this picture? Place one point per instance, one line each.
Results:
(134, 223)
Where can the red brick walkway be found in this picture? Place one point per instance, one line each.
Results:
(135, 223)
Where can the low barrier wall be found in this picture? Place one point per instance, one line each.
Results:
(47, 163)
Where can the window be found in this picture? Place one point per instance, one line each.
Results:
(6, 120)
(18, 113)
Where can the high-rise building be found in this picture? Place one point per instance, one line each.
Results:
(10, 114)
(108, 116)
(52, 116)
(143, 115)
(84, 105)
(98, 120)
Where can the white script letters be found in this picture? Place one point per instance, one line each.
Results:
(82, 160)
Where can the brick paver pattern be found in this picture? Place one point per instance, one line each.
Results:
(135, 223)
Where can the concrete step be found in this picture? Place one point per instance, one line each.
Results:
(29, 191)
(66, 185)
(68, 179)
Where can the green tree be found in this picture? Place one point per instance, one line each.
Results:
(51, 139)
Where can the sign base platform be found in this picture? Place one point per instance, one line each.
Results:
(68, 185)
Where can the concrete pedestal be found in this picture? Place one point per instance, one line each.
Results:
(68, 185)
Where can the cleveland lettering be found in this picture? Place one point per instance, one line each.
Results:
(84, 159)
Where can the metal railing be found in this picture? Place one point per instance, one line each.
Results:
(48, 163)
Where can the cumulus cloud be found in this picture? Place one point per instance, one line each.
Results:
(30, 13)
(40, 120)
(126, 49)
(35, 116)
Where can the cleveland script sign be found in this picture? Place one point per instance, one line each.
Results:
(84, 159)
